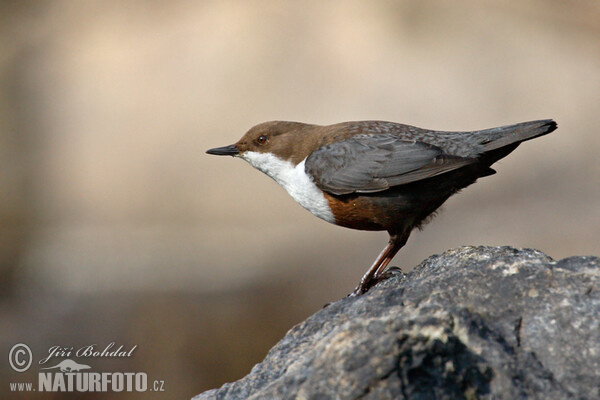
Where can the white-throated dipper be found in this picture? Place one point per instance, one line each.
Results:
(376, 175)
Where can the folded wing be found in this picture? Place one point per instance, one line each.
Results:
(369, 163)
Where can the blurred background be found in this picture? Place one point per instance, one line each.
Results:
(116, 227)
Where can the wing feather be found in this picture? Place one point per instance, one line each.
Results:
(368, 163)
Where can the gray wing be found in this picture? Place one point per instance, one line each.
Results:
(372, 163)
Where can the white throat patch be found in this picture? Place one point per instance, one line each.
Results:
(294, 180)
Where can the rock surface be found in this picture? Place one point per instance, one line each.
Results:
(474, 322)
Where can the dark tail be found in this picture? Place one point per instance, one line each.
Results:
(497, 138)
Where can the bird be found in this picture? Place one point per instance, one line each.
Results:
(376, 175)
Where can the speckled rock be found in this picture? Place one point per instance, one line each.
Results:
(472, 323)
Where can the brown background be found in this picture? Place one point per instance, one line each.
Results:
(115, 226)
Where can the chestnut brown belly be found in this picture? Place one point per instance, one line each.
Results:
(400, 208)
(374, 213)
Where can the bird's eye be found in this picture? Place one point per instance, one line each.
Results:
(262, 139)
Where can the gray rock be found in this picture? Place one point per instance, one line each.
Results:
(474, 322)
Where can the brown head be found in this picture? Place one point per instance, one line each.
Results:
(289, 141)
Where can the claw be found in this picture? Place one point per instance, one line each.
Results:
(363, 287)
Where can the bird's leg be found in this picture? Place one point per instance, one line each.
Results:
(377, 269)
(399, 240)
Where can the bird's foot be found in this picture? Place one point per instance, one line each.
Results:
(365, 285)
(389, 273)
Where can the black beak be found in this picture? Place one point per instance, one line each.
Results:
(230, 150)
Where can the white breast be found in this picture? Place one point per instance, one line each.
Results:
(294, 180)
